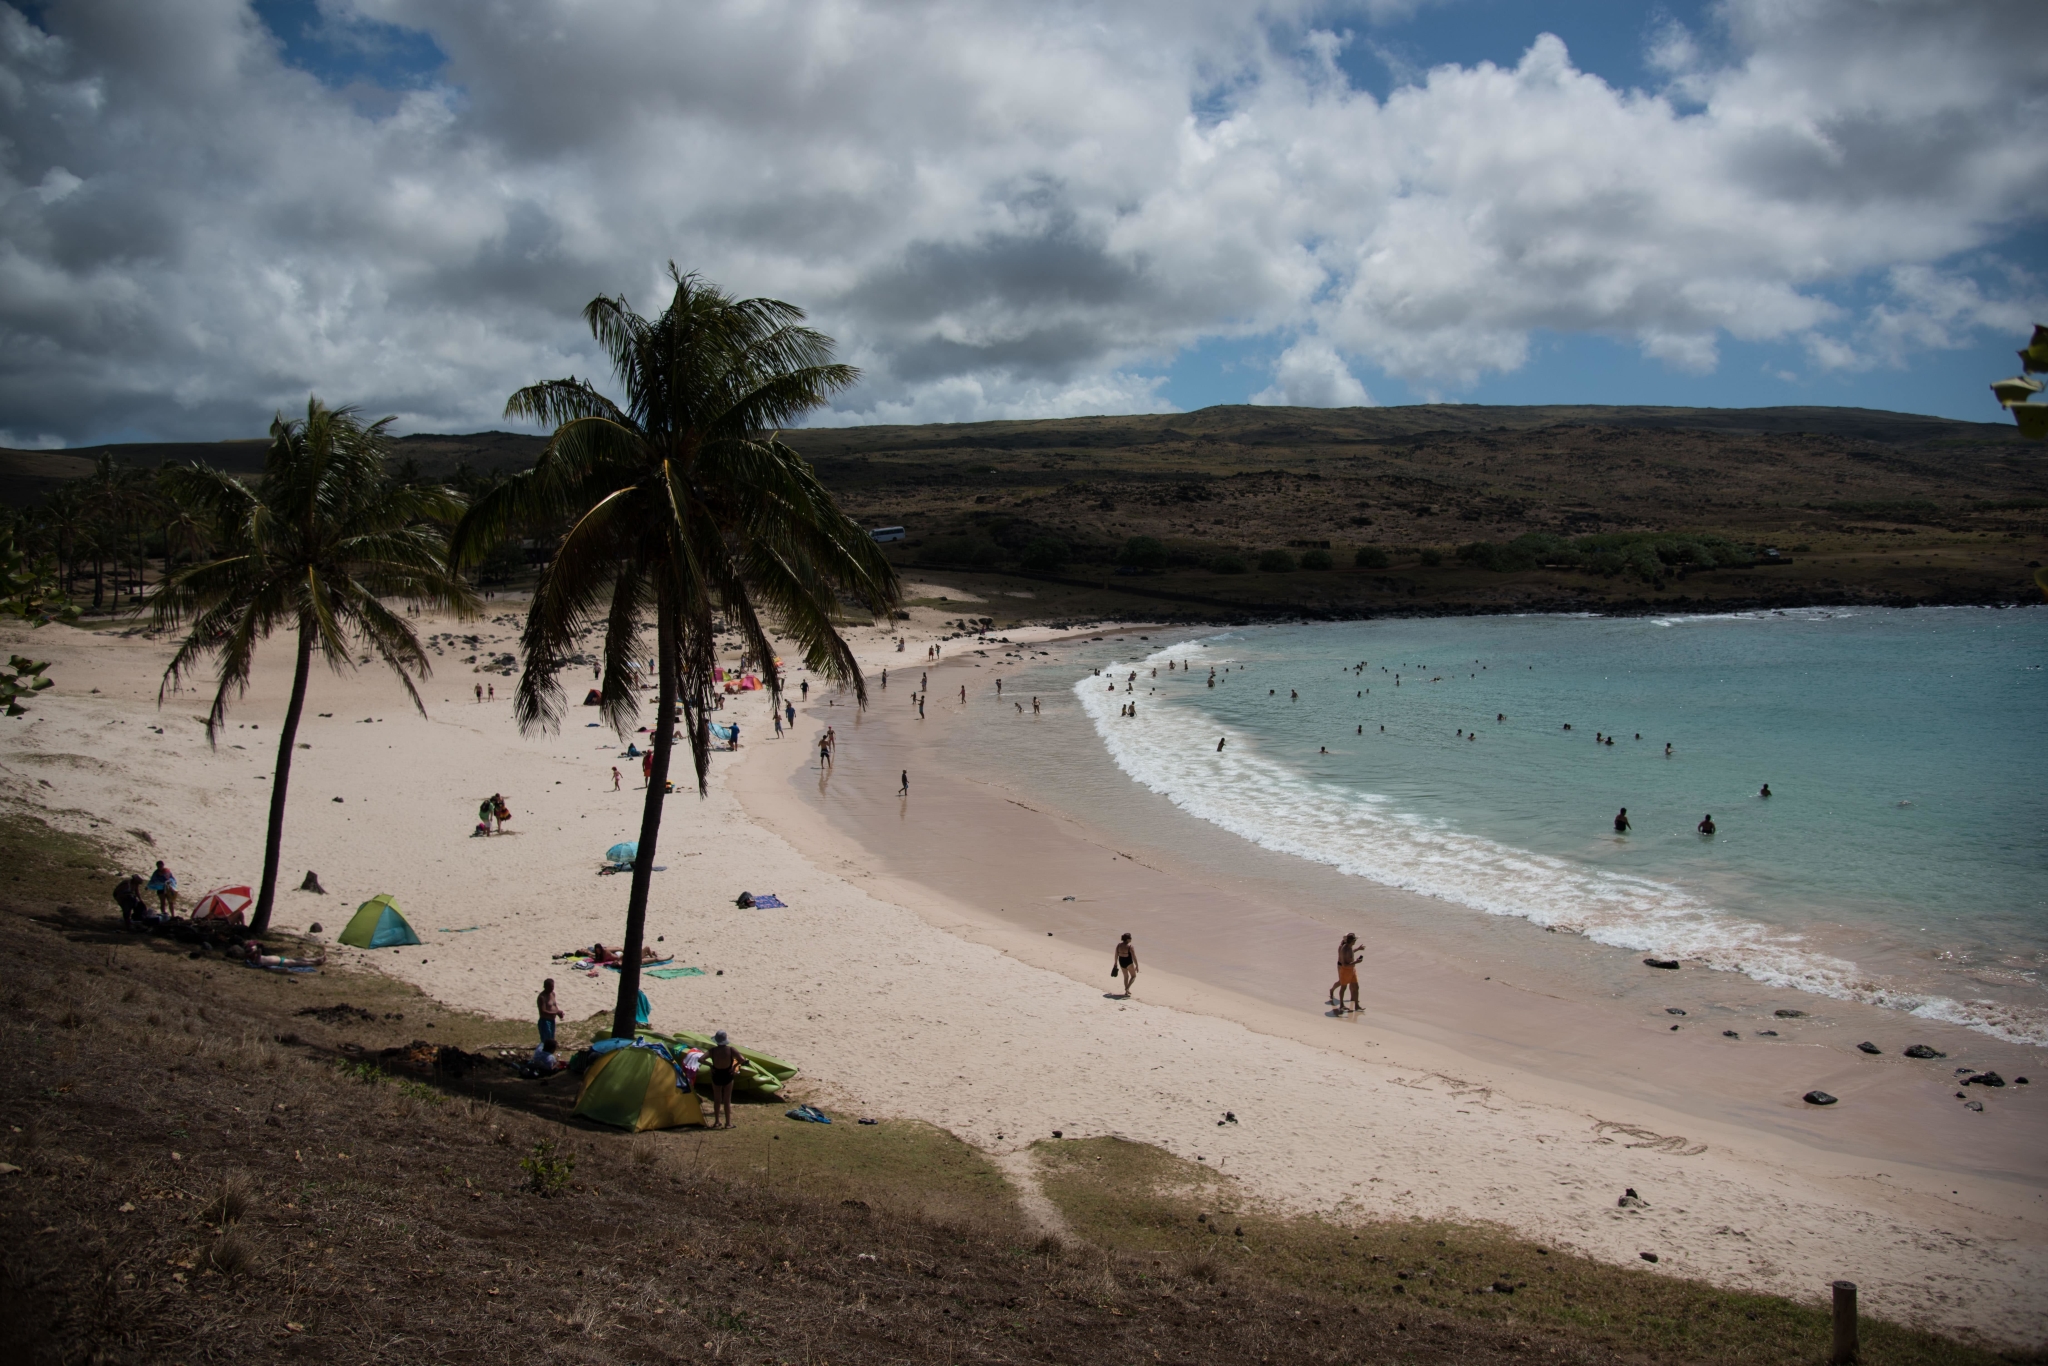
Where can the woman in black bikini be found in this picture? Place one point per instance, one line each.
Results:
(725, 1063)
(1126, 964)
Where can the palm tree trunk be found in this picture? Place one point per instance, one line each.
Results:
(626, 1014)
(280, 779)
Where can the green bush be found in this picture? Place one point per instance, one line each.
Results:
(1276, 562)
(1227, 563)
(1318, 559)
(1371, 557)
(965, 550)
(1046, 555)
(1432, 557)
(1143, 552)
(548, 1170)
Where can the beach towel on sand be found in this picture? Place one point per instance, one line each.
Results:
(666, 973)
(768, 901)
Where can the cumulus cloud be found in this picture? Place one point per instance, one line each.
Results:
(1310, 374)
(1000, 210)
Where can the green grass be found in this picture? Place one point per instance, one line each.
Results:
(1145, 1202)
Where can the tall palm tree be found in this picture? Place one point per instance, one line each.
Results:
(680, 504)
(314, 548)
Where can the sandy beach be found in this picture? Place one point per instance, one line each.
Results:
(925, 966)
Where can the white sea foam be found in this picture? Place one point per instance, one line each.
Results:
(1171, 748)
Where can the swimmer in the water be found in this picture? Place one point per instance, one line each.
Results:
(1706, 826)
(1219, 744)
(1667, 749)
(1766, 791)
(1621, 821)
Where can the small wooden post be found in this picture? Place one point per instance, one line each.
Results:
(1845, 1324)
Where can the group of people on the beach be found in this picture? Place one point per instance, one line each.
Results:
(1124, 965)
(723, 1060)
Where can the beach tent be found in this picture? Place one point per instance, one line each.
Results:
(226, 904)
(637, 1088)
(377, 924)
(762, 1073)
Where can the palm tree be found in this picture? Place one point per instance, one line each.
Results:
(681, 504)
(315, 548)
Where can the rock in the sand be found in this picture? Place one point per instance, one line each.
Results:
(1647, 1256)
(1789, 1014)
(1673, 1010)
(1730, 1034)
(313, 928)
(1668, 963)
(1767, 1033)
(1976, 1105)
(1985, 1079)
(1818, 1098)
(2019, 1081)
(312, 883)
(1868, 1047)
(1921, 1050)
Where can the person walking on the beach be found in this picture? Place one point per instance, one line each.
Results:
(1126, 964)
(920, 706)
(1034, 706)
(1347, 974)
(479, 693)
(1621, 821)
(904, 790)
(789, 712)
(499, 811)
(492, 690)
(824, 752)
(804, 688)
(726, 1062)
(615, 777)
(963, 694)
(485, 810)
(549, 1010)
(647, 768)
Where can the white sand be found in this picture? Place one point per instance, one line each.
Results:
(905, 1004)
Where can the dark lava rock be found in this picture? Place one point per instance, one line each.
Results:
(1789, 1014)
(1668, 963)
(2019, 1081)
(1503, 1288)
(1730, 1034)
(1921, 1050)
(1985, 1079)
(1767, 1033)
(1673, 1010)
(1818, 1098)
(1868, 1047)
(1647, 1256)
(1976, 1105)
(313, 928)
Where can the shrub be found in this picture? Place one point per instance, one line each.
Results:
(1501, 559)
(1371, 557)
(1226, 563)
(964, 550)
(548, 1170)
(1318, 559)
(1143, 552)
(1276, 562)
(1431, 556)
(1046, 555)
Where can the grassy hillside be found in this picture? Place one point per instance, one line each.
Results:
(1678, 504)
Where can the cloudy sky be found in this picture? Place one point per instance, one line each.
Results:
(209, 208)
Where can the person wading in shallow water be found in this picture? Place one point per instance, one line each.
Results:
(1621, 821)
(1126, 965)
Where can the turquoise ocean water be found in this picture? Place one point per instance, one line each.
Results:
(1901, 859)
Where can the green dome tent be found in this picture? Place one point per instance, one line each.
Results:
(637, 1088)
(377, 924)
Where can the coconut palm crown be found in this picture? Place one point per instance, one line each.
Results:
(316, 547)
(681, 507)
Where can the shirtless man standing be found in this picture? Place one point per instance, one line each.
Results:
(549, 1011)
(1347, 974)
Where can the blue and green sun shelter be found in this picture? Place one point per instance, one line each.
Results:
(378, 924)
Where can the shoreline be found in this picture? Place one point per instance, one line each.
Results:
(894, 998)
